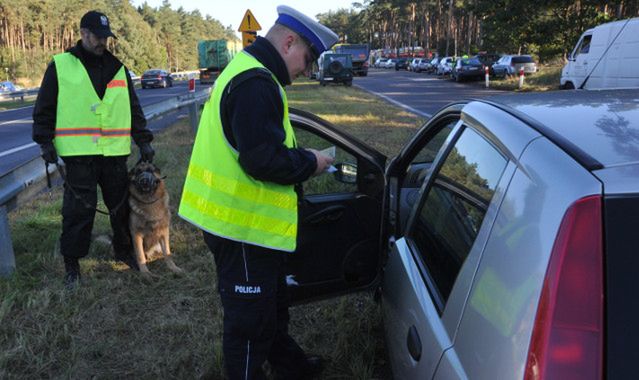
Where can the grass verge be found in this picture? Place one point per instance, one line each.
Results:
(545, 79)
(115, 325)
(12, 104)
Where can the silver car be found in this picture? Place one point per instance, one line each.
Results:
(503, 237)
(511, 64)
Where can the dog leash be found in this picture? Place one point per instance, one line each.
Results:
(78, 197)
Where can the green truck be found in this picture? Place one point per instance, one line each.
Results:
(213, 56)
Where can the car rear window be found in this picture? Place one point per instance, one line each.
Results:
(153, 72)
(621, 218)
(471, 61)
(451, 216)
(522, 59)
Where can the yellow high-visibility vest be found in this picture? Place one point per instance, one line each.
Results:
(219, 197)
(86, 124)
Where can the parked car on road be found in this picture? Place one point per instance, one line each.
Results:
(424, 65)
(432, 65)
(511, 64)
(401, 64)
(488, 59)
(380, 62)
(467, 68)
(414, 63)
(156, 78)
(502, 237)
(445, 66)
(336, 68)
(390, 63)
(607, 55)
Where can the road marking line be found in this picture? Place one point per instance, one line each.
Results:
(18, 121)
(17, 149)
(395, 102)
(15, 109)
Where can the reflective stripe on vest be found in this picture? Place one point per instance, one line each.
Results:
(86, 124)
(219, 197)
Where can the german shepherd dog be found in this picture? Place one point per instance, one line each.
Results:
(150, 217)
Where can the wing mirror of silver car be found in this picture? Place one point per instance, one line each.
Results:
(346, 172)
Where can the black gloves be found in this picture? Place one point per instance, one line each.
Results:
(146, 152)
(49, 155)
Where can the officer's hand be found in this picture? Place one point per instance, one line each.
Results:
(49, 155)
(146, 152)
(323, 161)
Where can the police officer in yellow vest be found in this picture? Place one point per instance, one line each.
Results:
(86, 112)
(240, 190)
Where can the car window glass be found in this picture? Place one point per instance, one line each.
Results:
(324, 183)
(449, 219)
(522, 59)
(430, 150)
(584, 47)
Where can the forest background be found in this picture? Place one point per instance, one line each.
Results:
(31, 31)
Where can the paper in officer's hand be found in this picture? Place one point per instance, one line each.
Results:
(330, 151)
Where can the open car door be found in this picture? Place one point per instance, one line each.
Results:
(340, 215)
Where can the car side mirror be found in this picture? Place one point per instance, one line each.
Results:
(346, 173)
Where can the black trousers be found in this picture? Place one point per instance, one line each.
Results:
(252, 287)
(84, 173)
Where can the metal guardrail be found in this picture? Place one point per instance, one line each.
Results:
(19, 94)
(29, 179)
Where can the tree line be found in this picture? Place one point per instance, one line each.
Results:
(31, 31)
(546, 28)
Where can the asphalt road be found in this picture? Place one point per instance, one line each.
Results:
(420, 93)
(16, 146)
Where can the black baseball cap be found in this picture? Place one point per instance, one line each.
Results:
(97, 23)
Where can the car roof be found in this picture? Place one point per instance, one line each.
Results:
(604, 124)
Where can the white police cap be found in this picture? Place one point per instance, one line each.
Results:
(317, 35)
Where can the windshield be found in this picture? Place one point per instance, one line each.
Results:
(522, 59)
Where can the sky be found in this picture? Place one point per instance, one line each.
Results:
(231, 12)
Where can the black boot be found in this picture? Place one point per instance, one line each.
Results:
(126, 257)
(72, 276)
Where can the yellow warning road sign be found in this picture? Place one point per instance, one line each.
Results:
(249, 23)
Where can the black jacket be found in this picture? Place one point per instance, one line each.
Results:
(252, 113)
(101, 70)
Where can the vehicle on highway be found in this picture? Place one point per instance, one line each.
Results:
(467, 68)
(445, 66)
(511, 64)
(605, 57)
(135, 78)
(336, 68)
(401, 64)
(156, 78)
(502, 236)
(7, 87)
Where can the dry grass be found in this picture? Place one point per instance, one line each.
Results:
(545, 79)
(117, 326)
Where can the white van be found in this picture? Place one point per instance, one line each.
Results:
(606, 56)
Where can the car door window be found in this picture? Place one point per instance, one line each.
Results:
(448, 221)
(325, 183)
(584, 46)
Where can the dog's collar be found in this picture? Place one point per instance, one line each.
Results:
(144, 202)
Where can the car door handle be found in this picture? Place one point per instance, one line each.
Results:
(414, 343)
(325, 215)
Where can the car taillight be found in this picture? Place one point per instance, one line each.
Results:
(567, 339)
(365, 64)
(159, 76)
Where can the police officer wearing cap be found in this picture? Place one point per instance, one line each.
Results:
(240, 190)
(86, 113)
